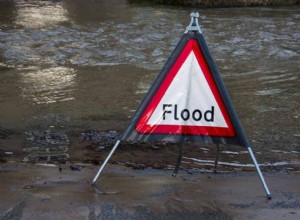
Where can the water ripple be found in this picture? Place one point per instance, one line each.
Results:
(48, 85)
(64, 56)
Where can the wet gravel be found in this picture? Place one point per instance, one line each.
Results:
(46, 146)
(101, 139)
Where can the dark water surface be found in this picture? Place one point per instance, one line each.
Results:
(71, 66)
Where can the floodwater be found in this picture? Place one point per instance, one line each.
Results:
(68, 67)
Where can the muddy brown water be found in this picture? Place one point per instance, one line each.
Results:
(71, 67)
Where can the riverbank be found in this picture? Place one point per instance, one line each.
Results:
(221, 3)
(63, 192)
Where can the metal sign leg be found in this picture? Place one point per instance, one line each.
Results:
(105, 162)
(178, 160)
(259, 173)
(217, 158)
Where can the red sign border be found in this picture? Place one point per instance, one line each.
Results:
(144, 128)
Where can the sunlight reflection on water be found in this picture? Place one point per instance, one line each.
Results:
(40, 14)
(45, 86)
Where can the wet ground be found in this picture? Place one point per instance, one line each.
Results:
(62, 192)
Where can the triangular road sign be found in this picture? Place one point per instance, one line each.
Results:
(187, 101)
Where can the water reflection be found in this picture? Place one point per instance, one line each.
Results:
(39, 14)
(55, 84)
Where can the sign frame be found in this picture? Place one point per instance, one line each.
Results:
(131, 134)
(192, 31)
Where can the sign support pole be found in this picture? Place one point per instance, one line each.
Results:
(194, 26)
(217, 158)
(178, 160)
(105, 162)
(269, 195)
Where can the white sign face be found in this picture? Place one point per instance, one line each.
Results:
(189, 100)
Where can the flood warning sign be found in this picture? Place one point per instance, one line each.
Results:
(187, 102)
(187, 99)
